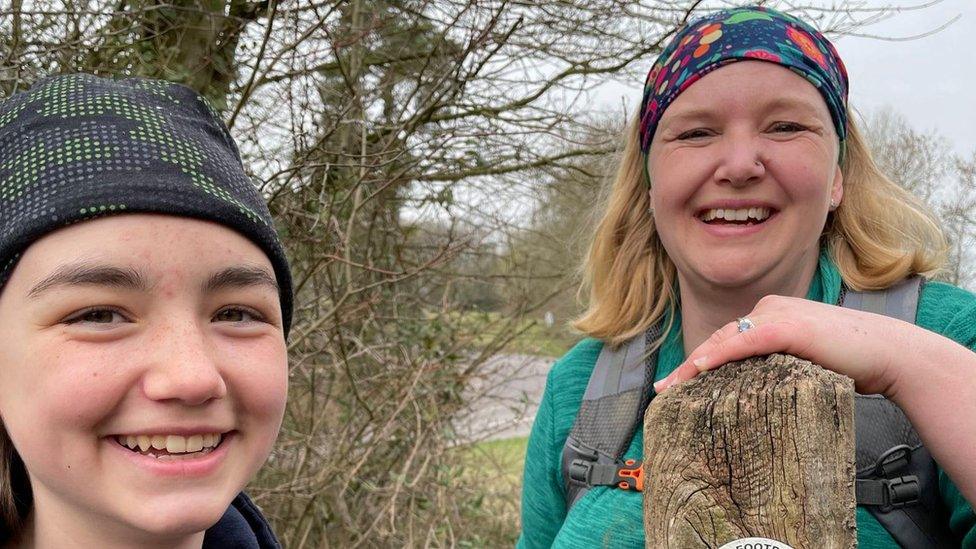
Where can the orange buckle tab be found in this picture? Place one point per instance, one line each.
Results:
(631, 477)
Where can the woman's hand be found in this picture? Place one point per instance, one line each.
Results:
(868, 348)
(929, 376)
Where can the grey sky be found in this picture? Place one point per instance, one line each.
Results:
(930, 80)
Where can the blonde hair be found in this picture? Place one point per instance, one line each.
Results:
(878, 235)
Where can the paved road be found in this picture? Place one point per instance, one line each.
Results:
(505, 398)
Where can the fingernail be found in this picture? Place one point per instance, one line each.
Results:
(661, 385)
(700, 362)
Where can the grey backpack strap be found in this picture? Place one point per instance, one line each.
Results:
(897, 480)
(899, 301)
(616, 396)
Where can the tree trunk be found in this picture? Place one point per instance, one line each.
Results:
(759, 448)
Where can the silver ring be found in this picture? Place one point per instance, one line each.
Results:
(744, 324)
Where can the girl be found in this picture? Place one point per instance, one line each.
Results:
(145, 302)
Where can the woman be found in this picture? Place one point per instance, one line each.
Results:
(145, 299)
(745, 201)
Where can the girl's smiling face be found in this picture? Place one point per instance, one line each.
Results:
(743, 168)
(163, 329)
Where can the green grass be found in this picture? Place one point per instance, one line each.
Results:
(537, 339)
(492, 474)
(531, 336)
(504, 456)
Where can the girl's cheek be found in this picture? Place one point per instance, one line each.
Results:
(257, 375)
(80, 383)
(54, 397)
(275, 388)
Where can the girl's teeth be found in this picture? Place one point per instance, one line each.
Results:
(171, 444)
(193, 444)
(175, 444)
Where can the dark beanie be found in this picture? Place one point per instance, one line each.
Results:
(78, 147)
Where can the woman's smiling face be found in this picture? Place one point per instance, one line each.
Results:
(752, 139)
(149, 327)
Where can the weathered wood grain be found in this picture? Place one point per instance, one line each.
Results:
(758, 448)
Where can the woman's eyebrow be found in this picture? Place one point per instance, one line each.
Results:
(706, 114)
(792, 103)
(91, 274)
(241, 276)
(687, 115)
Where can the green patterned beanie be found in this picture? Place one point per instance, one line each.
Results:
(77, 147)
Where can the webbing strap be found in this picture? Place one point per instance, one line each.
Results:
(888, 494)
(596, 474)
(578, 463)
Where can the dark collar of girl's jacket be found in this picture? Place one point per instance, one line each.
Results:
(242, 527)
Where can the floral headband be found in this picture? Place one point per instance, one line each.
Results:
(742, 34)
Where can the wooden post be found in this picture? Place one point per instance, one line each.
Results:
(759, 448)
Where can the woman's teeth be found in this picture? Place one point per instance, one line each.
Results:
(742, 214)
(169, 445)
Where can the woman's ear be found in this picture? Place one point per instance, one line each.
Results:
(837, 188)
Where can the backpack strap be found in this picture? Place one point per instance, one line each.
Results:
(897, 479)
(899, 301)
(616, 396)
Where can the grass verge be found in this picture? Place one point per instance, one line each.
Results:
(531, 335)
(492, 473)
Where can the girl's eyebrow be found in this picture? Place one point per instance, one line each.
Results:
(91, 274)
(241, 276)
